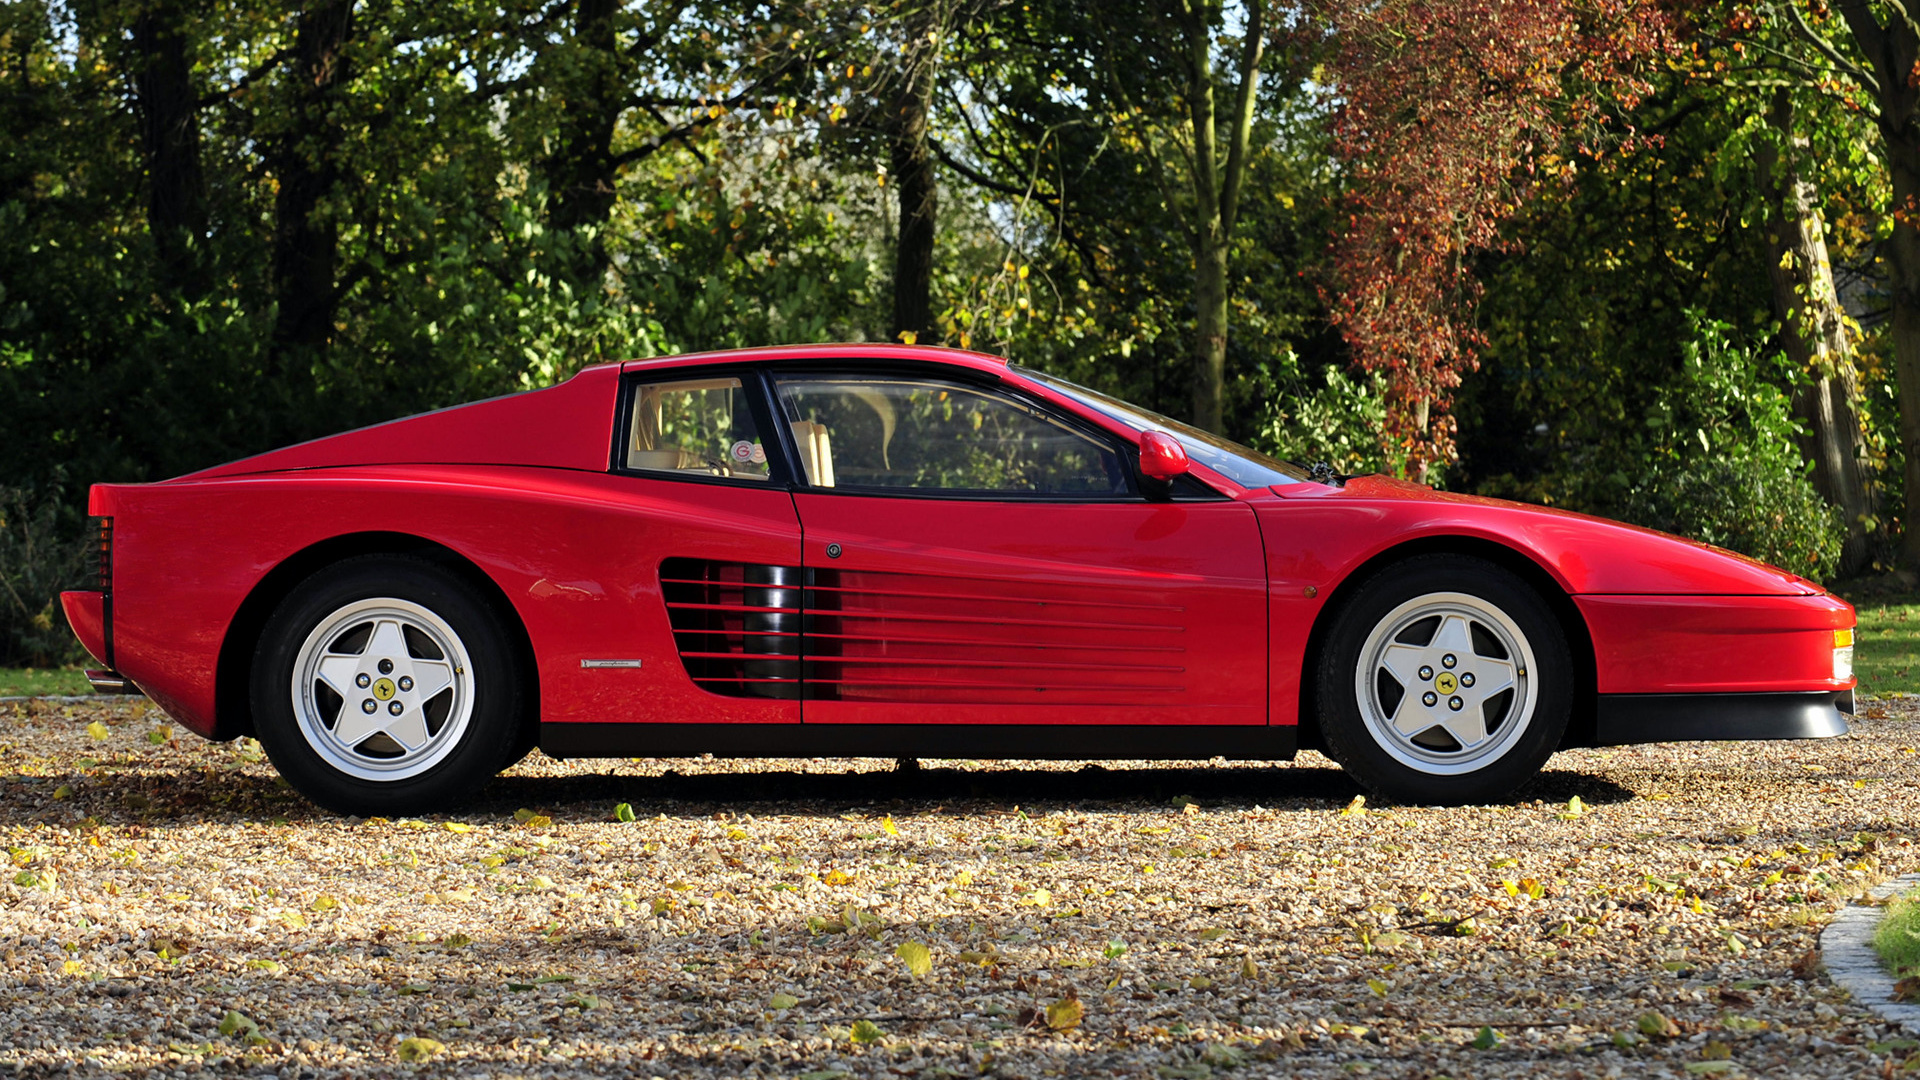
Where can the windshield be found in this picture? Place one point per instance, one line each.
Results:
(1246, 467)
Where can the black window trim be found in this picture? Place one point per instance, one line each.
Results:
(830, 368)
(753, 386)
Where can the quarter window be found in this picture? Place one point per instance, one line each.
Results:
(699, 427)
(933, 435)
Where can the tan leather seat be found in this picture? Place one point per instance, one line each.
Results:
(816, 452)
(669, 458)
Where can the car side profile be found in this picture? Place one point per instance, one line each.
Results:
(900, 551)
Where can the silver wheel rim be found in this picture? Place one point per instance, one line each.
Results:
(1445, 683)
(383, 689)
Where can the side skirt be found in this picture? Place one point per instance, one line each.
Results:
(1627, 719)
(1064, 742)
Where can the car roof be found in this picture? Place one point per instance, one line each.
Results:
(846, 351)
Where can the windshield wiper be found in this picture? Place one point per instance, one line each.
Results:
(1322, 473)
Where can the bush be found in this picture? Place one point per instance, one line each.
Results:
(1719, 460)
(1338, 423)
(38, 558)
(1746, 502)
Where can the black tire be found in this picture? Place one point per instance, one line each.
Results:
(1376, 731)
(483, 723)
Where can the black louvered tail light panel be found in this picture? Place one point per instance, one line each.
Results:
(737, 625)
(105, 555)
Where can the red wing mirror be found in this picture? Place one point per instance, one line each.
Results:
(1161, 456)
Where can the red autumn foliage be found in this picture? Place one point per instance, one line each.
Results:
(1448, 114)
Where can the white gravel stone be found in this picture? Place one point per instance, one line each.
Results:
(153, 887)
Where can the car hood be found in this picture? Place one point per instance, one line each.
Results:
(1589, 554)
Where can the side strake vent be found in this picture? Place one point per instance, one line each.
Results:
(751, 630)
(736, 625)
(955, 639)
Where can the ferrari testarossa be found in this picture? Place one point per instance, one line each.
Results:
(893, 551)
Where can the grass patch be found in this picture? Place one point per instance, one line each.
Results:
(33, 682)
(1898, 939)
(1886, 647)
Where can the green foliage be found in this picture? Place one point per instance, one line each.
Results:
(1720, 463)
(1583, 321)
(514, 193)
(1628, 369)
(1898, 938)
(1338, 423)
(735, 248)
(1746, 501)
(37, 561)
(1076, 119)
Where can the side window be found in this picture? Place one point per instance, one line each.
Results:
(699, 427)
(901, 432)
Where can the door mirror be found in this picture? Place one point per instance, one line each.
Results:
(1161, 456)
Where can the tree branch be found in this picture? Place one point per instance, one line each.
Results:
(1250, 54)
(978, 178)
(246, 80)
(1867, 33)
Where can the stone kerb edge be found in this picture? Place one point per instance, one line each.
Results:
(1846, 948)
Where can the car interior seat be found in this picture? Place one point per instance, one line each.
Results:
(816, 451)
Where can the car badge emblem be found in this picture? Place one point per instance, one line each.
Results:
(1445, 682)
(383, 689)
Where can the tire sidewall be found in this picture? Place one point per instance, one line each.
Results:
(1351, 742)
(494, 728)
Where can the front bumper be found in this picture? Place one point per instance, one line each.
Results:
(1627, 719)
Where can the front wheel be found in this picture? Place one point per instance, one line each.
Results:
(386, 686)
(1444, 680)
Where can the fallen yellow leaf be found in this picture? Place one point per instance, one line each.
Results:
(918, 958)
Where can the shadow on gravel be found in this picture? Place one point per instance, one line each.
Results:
(166, 797)
(1089, 787)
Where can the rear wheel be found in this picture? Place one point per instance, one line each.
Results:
(385, 685)
(1445, 679)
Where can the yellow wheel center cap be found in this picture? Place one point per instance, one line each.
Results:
(1443, 682)
(383, 689)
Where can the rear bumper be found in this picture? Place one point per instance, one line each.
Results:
(89, 613)
(1626, 719)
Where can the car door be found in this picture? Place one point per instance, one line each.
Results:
(711, 548)
(973, 556)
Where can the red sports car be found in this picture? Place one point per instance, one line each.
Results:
(896, 551)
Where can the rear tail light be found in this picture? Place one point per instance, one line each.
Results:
(106, 555)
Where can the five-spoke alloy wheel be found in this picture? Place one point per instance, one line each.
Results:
(384, 689)
(1445, 679)
(384, 686)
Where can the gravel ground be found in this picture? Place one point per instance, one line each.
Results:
(172, 909)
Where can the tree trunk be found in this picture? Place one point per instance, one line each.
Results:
(170, 143)
(1209, 227)
(581, 170)
(1813, 330)
(1216, 194)
(306, 164)
(915, 187)
(1903, 249)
